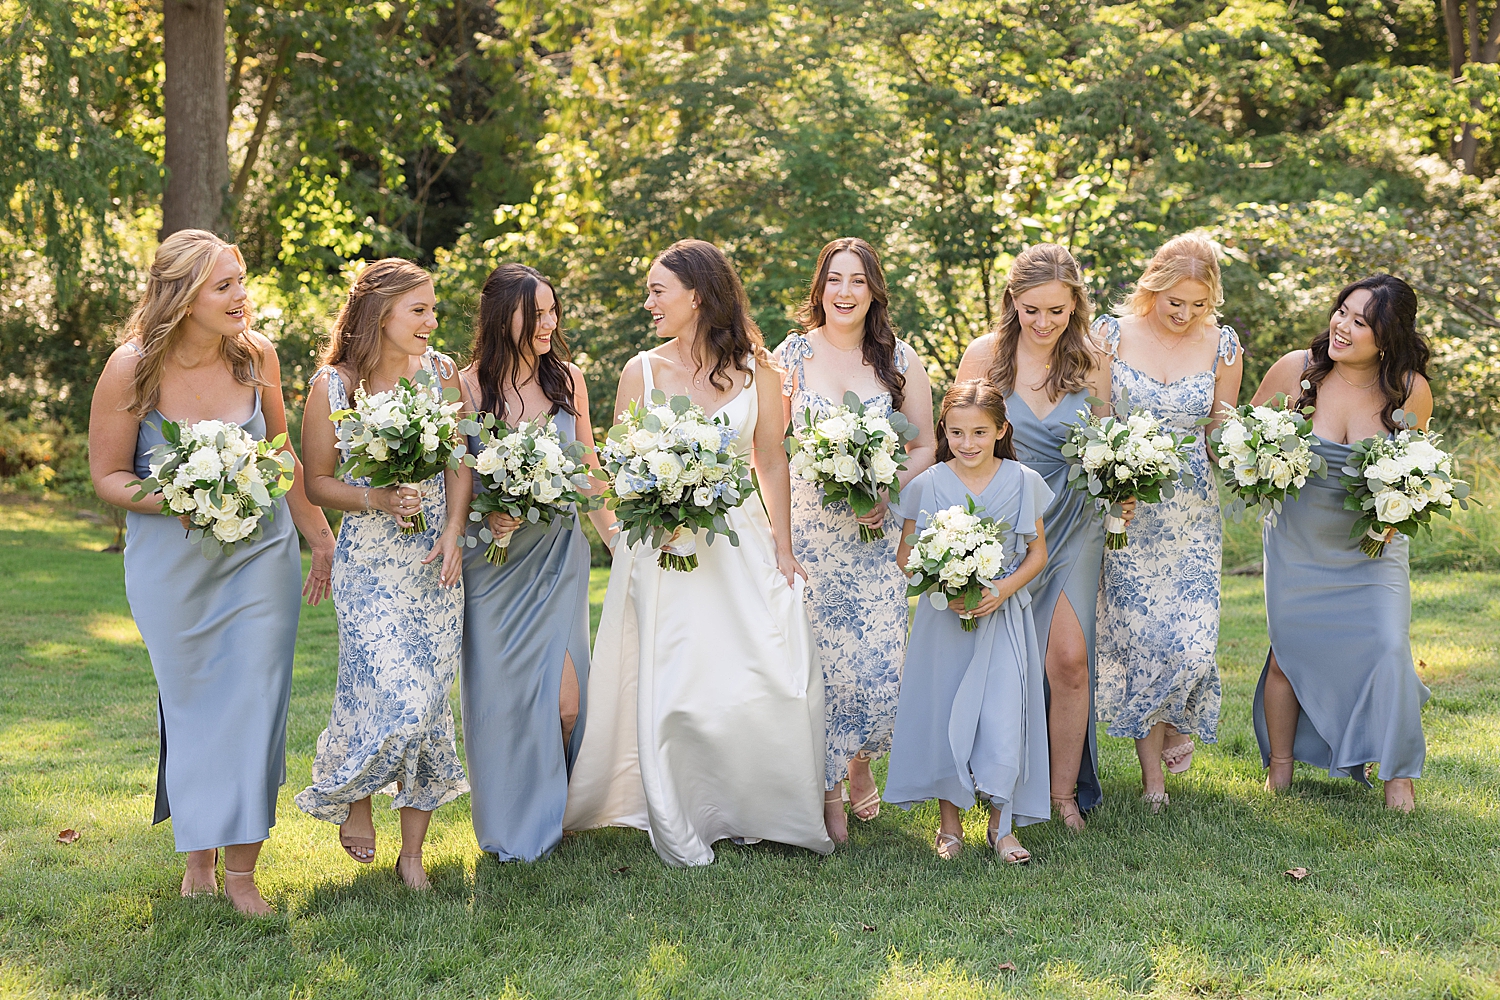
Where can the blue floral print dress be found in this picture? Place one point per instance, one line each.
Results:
(1158, 621)
(400, 638)
(856, 596)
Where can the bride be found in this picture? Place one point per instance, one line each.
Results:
(705, 696)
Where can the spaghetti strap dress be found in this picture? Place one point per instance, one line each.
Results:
(221, 633)
(391, 728)
(520, 621)
(1359, 694)
(1158, 628)
(1075, 550)
(705, 694)
(856, 595)
(972, 720)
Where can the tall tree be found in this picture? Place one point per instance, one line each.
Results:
(195, 100)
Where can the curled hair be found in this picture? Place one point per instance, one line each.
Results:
(727, 336)
(986, 395)
(878, 346)
(500, 351)
(355, 341)
(1189, 257)
(1072, 357)
(1392, 315)
(182, 266)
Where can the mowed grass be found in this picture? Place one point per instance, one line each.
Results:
(1192, 903)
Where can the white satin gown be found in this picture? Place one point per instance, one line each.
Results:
(705, 694)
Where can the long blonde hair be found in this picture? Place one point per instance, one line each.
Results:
(1072, 358)
(182, 266)
(1182, 258)
(355, 341)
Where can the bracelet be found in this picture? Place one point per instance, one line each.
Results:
(367, 498)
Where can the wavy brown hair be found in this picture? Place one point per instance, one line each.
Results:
(727, 336)
(1072, 358)
(180, 269)
(986, 395)
(1392, 315)
(355, 341)
(878, 346)
(500, 351)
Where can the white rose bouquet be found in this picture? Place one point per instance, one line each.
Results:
(1266, 454)
(403, 436)
(671, 473)
(219, 477)
(959, 555)
(852, 455)
(1397, 484)
(1127, 454)
(527, 473)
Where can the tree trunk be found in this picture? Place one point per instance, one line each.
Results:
(197, 116)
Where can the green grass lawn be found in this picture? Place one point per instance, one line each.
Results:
(1189, 904)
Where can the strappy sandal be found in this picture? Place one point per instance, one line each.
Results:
(861, 807)
(1017, 855)
(1072, 816)
(948, 846)
(214, 891)
(351, 843)
(1156, 801)
(1178, 758)
(418, 859)
(1275, 760)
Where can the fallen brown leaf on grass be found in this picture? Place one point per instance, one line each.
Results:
(621, 870)
(867, 927)
(1297, 873)
(67, 836)
(1007, 966)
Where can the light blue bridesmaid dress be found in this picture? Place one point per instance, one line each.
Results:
(221, 633)
(972, 719)
(520, 620)
(856, 596)
(399, 639)
(1075, 549)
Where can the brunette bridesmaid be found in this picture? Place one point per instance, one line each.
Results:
(1042, 358)
(856, 595)
(1339, 690)
(526, 623)
(220, 631)
(399, 596)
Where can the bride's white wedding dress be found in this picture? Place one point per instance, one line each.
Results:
(705, 697)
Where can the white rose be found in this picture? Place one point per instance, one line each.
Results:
(875, 424)
(836, 428)
(804, 465)
(883, 467)
(378, 449)
(1392, 507)
(846, 469)
(487, 462)
(1096, 453)
(642, 441)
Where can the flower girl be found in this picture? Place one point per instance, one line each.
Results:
(971, 721)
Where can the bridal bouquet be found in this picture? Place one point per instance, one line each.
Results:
(403, 436)
(527, 473)
(958, 555)
(1267, 450)
(1122, 456)
(852, 455)
(1397, 483)
(221, 478)
(670, 474)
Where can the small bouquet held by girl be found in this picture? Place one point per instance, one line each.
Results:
(218, 477)
(671, 474)
(529, 474)
(1267, 455)
(853, 455)
(403, 436)
(958, 556)
(1123, 455)
(1397, 483)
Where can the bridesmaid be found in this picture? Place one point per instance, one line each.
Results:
(400, 616)
(705, 697)
(1041, 357)
(856, 594)
(526, 624)
(1337, 691)
(1158, 629)
(971, 722)
(221, 632)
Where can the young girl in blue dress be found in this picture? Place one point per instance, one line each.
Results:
(971, 721)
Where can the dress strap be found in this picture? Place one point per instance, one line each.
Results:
(902, 361)
(338, 394)
(1108, 328)
(793, 353)
(135, 349)
(1229, 347)
(437, 364)
(1306, 360)
(645, 357)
